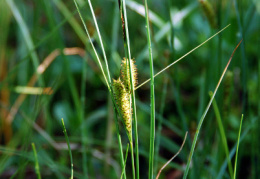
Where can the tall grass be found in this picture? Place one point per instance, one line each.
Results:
(83, 90)
(204, 115)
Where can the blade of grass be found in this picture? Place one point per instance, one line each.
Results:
(204, 115)
(109, 88)
(247, 129)
(238, 141)
(69, 16)
(126, 152)
(152, 102)
(37, 168)
(157, 177)
(122, 7)
(222, 134)
(182, 57)
(99, 62)
(100, 40)
(134, 117)
(68, 143)
(27, 37)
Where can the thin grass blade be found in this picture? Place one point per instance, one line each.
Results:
(183, 56)
(238, 140)
(222, 134)
(158, 175)
(152, 102)
(122, 7)
(68, 143)
(37, 168)
(204, 115)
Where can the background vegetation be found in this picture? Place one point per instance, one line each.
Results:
(48, 37)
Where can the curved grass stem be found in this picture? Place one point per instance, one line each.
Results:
(204, 115)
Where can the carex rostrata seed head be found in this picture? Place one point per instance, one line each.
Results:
(122, 98)
(125, 73)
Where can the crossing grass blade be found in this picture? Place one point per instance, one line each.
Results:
(204, 115)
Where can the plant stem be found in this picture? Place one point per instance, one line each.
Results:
(109, 89)
(100, 40)
(238, 140)
(132, 158)
(152, 103)
(122, 7)
(204, 115)
(68, 143)
(182, 57)
(37, 168)
(222, 134)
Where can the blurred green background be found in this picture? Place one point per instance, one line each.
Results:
(48, 37)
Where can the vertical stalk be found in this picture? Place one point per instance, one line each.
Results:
(122, 7)
(152, 103)
(204, 115)
(222, 134)
(37, 168)
(108, 86)
(100, 40)
(68, 143)
(238, 141)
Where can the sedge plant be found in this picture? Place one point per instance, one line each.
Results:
(122, 90)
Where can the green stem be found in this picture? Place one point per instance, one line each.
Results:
(123, 169)
(238, 140)
(27, 38)
(37, 168)
(222, 133)
(128, 54)
(152, 103)
(100, 40)
(109, 89)
(204, 115)
(132, 158)
(68, 143)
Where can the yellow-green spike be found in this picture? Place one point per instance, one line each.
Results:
(209, 12)
(125, 73)
(122, 98)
